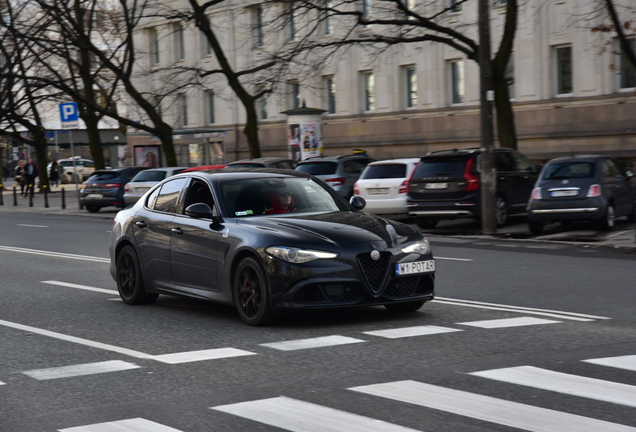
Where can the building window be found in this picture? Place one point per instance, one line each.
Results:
(509, 76)
(455, 6)
(294, 94)
(563, 57)
(261, 103)
(153, 46)
(179, 43)
(327, 21)
(330, 94)
(293, 22)
(257, 27)
(457, 82)
(366, 11)
(411, 87)
(205, 44)
(210, 107)
(182, 110)
(627, 70)
(369, 91)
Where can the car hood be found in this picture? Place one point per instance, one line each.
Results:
(338, 228)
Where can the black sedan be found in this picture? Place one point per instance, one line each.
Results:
(268, 241)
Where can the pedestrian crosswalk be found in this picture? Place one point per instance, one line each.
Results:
(451, 404)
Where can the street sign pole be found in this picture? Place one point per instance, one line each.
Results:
(69, 116)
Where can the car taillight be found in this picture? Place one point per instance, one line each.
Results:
(472, 182)
(115, 221)
(356, 191)
(126, 188)
(112, 185)
(536, 193)
(595, 190)
(404, 187)
(407, 183)
(335, 181)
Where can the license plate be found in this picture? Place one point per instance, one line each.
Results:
(141, 189)
(415, 267)
(94, 196)
(378, 191)
(436, 185)
(565, 193)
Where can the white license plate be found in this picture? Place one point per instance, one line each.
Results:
(436, 186)
(565, 193)
(94, 196)
(378, 191)
(141, 189)
(415, 267)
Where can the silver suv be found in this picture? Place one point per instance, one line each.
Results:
(339, 172)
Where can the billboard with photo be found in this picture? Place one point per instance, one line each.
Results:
(148, 156)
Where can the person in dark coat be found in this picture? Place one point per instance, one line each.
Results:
(20, 177)
(31, 173)
(54, 173)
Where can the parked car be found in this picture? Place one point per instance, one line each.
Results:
(106, 188)
(83, 167)
(321, 252)
(203, 168)
(339, 172)
(383, 184)
(447, 185)
(265, 162)
(581, 188)
(144, 180)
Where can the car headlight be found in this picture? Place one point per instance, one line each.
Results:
(298, 256)
(421, 247)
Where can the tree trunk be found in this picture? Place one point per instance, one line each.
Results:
(164, 133)
(251, 131)
(625, 45)
(39, 141)
(94, 138)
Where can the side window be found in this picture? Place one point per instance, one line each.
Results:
(285, 165)
(613, 168)
(169, 195)
(152, 199)
(199, 192)
(523, 163)
(355, 166)
(504, 162)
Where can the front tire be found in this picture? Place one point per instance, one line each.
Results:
(130, 282)
(425, 223)
(607, 222)
(405, 307)
(251, 294)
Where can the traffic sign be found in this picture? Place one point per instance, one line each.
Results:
(69, 115)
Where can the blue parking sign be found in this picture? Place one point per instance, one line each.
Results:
(69, 115)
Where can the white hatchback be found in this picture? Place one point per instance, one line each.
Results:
(383, 184)
(146, 179)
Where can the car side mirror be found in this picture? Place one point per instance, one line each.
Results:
(199, 210)
(357, 202)
(629, 174)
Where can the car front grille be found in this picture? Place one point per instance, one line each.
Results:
(375, 271)
(330, 293)
(402, 287)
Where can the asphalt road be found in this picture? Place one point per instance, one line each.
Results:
(506, 346)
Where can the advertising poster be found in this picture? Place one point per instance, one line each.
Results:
(293, 142)
(311, 143)
(148, 156)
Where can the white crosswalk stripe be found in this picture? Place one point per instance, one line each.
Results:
(508, 322)
(80, 369)
(410, 331)
(490, 409)
(591, 388)
(298, 416)
(623, 362)
(128, 425)
(318, 342)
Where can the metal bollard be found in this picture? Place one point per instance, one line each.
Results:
(46, 196)
(63, 199)
(15, 196)
(30, 192)
(1, 194)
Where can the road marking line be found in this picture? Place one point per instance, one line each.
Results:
(627, 362)
(411, 331)
(129, 425)
(490, 409)
(76, 340)
(192, 356)
(80, 369)
(300, 416)
(565, 315)
(1, 383)
(591, 388)
(34, 226)
(452, 259)
(317, 342)
(615, 234)
(55, 254)
(508, 322)
(83, 287)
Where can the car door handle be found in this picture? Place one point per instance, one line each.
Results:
(141, 224)
(177, 231)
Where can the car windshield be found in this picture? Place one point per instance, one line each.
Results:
(568, 170)
(318, 168)
(437, 166)
(99, 176)
(384, 171)
(149, 176)
(276, 195)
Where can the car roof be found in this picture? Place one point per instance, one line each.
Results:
(333, 158)
(238, 173)
(166, 169)
(577, 158)
(393, 161)
(260, 160)
(119, 169)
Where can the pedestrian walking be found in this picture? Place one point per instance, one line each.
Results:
(6, 172)
(31, 173)
(54, 173)
(20, 176)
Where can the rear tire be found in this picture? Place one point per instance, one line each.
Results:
(607, 222)
(536, 228)
(92, 208)
(501, 209)
(405, 307)
(130, 281)
(426, 223)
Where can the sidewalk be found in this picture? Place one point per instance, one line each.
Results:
(623, 235)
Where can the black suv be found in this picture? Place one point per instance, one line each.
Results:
(106, 188)
(446, 185)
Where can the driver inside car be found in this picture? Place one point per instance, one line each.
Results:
(281, 201)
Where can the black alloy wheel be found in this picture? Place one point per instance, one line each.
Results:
(607, 222)
(130, 282)
(501, 211)
(251, 295)
(404, 307)
(92, 208)
(425, 223)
